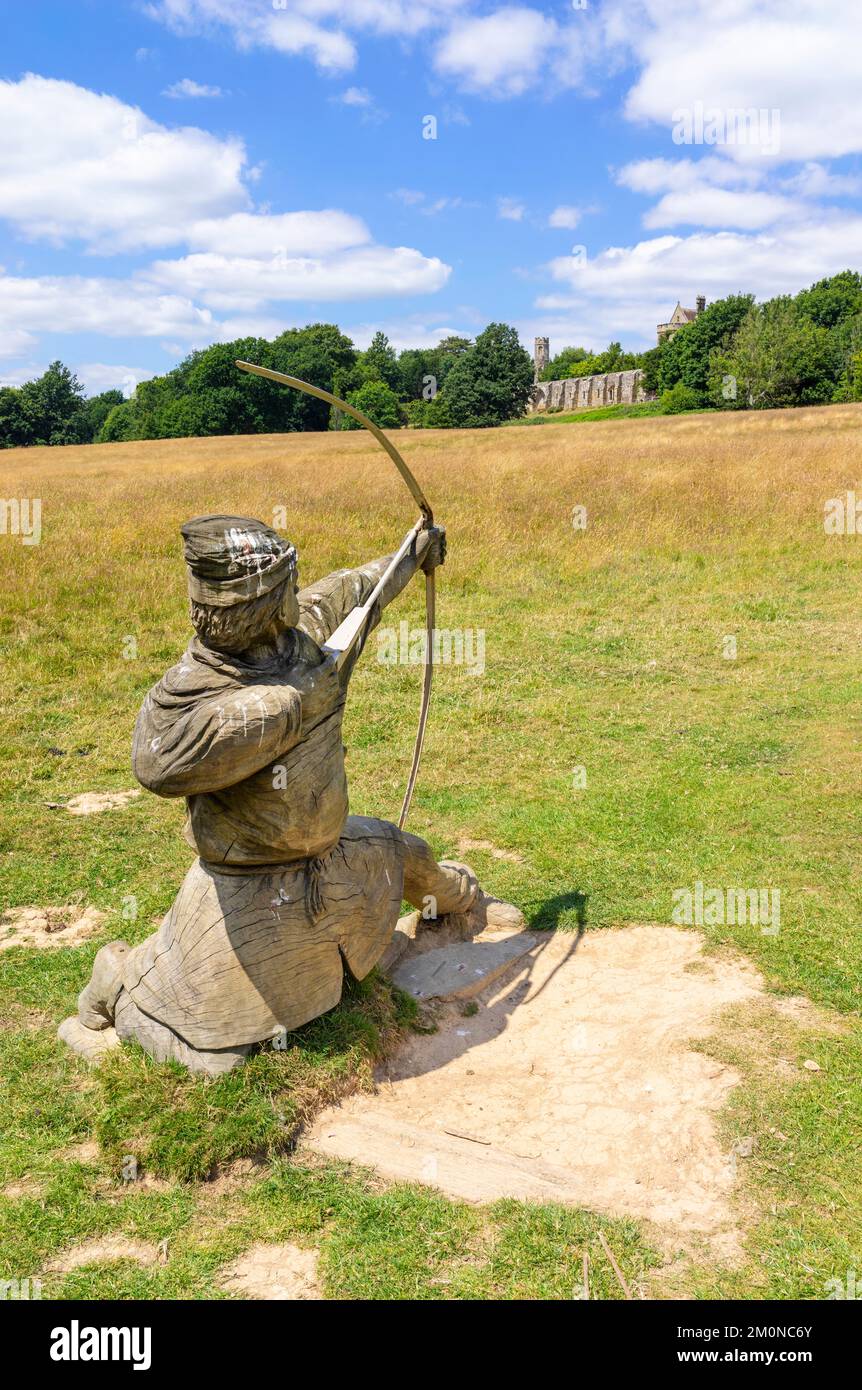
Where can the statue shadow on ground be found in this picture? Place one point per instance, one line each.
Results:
(460, 1032)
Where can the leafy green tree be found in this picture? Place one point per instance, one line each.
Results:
(206, 394)
(53, 405)
(95, 411)
(832, 301)
(558, 368)
(448, 352)
(119, 425)
(423, 371)
(650, 365)
(779, 357)
(380, 361)
(454, 346)
(686, 356)
(379, 402)
(429, 415)
(16, 428)
(854, 378)
(491, 382)
(678, 399)
(318, 353)
(420, 372)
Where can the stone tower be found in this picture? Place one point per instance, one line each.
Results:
(541, 356)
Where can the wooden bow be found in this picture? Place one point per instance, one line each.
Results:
(347, 635)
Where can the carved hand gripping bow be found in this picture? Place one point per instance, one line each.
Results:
(345, 637)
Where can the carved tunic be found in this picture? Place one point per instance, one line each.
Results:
(288, 888)
(263, 786)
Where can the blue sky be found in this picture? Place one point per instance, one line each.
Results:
(178, 172)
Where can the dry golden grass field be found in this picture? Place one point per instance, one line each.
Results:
(606, 649)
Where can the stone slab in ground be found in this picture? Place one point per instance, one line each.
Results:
(464, 969)
(575, 1080)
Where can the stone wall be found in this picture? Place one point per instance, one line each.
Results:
(587, 392)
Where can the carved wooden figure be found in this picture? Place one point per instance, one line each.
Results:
(288, 888)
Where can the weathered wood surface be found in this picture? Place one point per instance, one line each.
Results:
(289, 891)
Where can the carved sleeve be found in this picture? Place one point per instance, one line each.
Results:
(324, 605)
(214, 742)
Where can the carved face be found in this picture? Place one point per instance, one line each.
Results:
(289, 611)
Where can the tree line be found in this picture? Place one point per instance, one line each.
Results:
(53, 410)
(460, 382)
(792, 350)
(738, 355)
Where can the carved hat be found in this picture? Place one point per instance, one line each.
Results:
(232, 559)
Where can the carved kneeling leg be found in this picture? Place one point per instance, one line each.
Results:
(164, 1045)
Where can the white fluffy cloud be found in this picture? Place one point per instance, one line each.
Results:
(716, 192)
(260, 24)
(565, 216)
(705, 206)
(413, 332)
(356, 96)
(500, 54)
(187, 88)
(279, 234)
(98, 304)
(247, 283)
(96, 377)
(510, 209)
(82, 164)
(320, 30)
(815, 181)
(670, 175)
(625, 291)
(79, 165)
(15, 342)
(361, 100)
(798, 58)
(794, 56)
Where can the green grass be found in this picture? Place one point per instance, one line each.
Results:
(604, 649)
(397, 1243)
(637, 410)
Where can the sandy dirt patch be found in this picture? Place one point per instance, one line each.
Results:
(91, 803)
(234, 1177)
(274, 1272)
(573, 1082)
(22, 1188)
(46, 928)
(104, 1248)
(465, 845)
(87, 1152)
